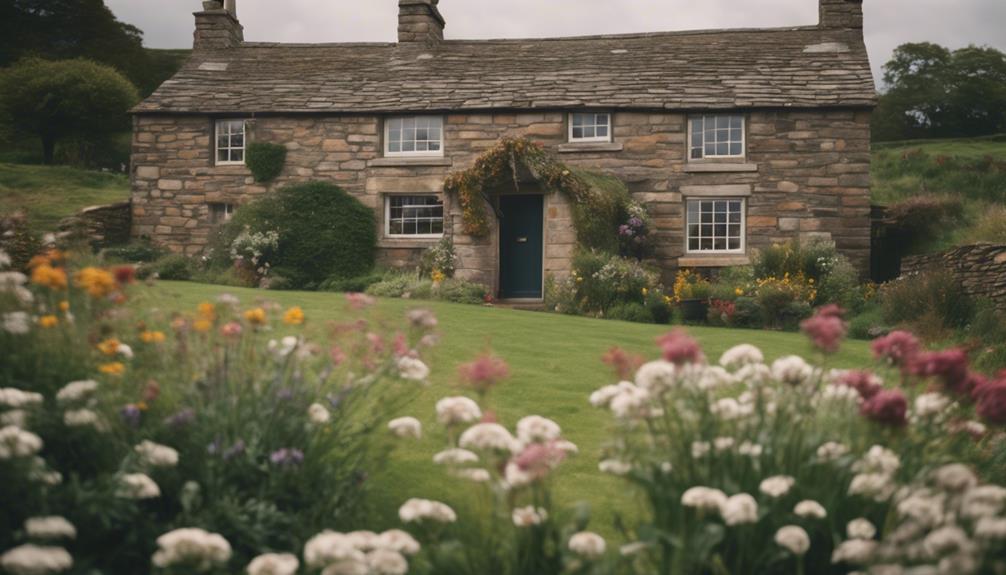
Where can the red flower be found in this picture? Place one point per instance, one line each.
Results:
(124, 274)
(679, 348)
(486, 371)
(623, 362)
(898, 347)
(867, 384)
(888, 407)
(826, 329)
(991, 399)
(950, 366)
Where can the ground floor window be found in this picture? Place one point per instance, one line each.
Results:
(716, 225)
(413, 216)
(221, 212)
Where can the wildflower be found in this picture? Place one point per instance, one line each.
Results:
(704, 498)
(318, 414)
(231, 329)
(537, 429)
(473, 475)
(792, 370)
(700, 449)
(16, 442)
(776, 486)
(193, 548)
(287, 457)
(274, 564)
(418, 510)
(794, 539)
(53, 527)
(860, 529)
(740, 509)
(152, 337)
(631, 402)
(109, 347)
(48, 321)
(991, 400)
(888, 407)
(386, 562)
(112, 368)
(657, 377)
(826, 329)
(955, 477)
(36, 560)
(138, 486)
(854, 551)
(330, 549)
(484, 372)
(131, 414)
(679, 348)
(202, 325)
(294, 316)
(156, 455)
(412, 369)
(489, 437)
(406, 427)
(876, 486)
(623, 362)
(614, 467)
(810, 509)
(602, 397)
(82, 418)
(124, 275)
(422, 318)
(898, 347)
(181, 419)
(741, 355)
(16, 418)
(284, 347)
(455, 456)
(750, 449)
(255, 316)
(16, 398)
(529, 516)
(946, 539)
(723, 443)
(47, 276)
(949, 366)
(457, 410)
(588, 545)
(983, 501)
(16, 323)
(64, 306)
(991, 529)
(397, 540)
(97, 282)
(865, 382)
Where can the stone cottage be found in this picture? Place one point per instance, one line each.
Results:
(733, 139)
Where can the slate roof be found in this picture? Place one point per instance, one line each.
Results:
(805, 67)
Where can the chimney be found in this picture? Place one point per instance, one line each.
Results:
(217, 26)
(420, 23)
(842, 14)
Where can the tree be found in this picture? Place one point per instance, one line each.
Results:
(55, 100)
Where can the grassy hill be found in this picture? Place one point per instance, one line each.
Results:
(50, 193)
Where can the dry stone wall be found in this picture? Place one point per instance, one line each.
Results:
(101, 226)
(980, 268)
(806, 175)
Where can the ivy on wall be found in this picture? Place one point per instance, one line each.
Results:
(265, 160)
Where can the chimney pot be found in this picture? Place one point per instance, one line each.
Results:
(420, 23)
(217, 26)
(842, 14)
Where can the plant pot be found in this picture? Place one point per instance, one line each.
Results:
(694, 309)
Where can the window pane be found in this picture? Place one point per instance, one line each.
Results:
(736, 122)
(237, 155)
(578, 120)
(735, 149)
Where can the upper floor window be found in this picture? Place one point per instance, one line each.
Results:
(414, 136)
(230, 142)
(717, 136)
(716, 225)
(413, 216)
(589, 127)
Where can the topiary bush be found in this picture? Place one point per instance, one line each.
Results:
(265, 160)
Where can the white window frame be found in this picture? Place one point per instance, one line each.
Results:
(224, 209)
(743, 233)
(216, 142)
(595, 139)
(704, 117)
(387, 217)
(413, 154)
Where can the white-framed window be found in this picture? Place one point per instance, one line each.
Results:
(231, 142)
(716, 136)
(716, 225)
(221, 212)
(413, 216)
(590, 127)
(414, 136)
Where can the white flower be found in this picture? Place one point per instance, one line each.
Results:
(529, 516)
(125, 351)
(991, 529)
(228, 300)
(193, 548)
(740, 509)
(15, 418)
(723, 443)
(16, 442)
(615, 467)
(713, 377)
(876, 486)
(588, 545)
(983, 501)
(878, 460)
(274, 564)
(567, 447)
(831, 451)
(924, 507)
(36, 560)
(354, 566)
(515, 476)
(397, 540)
(777, 486)
(138, 486)
(794, 539)
(417, 510)
(412, 368)
(955, 477)
(854, 551)
(54, 527)
(455, 456)
(387, 562)
(704, 498)
(740, 355)
(456, 410)
(657, 377)
(946, 540)
(76, 391)
(631, 402)
(474, 475)
(930, 405)
(157, 455)
(318, 414)
(700, 449)
(792, 370)
(860, 529)
(839, 393)
(810, 509)
(284, 347)
(754, 374)
(40, 473)
(537, 429)
(362, 540)
(974, 427)
(489, 437)
(17, 322)
(329, 548)
(750, 449)
(602, 397)
(17, 399)
(406, 427)
(729, 409)
(83, 418)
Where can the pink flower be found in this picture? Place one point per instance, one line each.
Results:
(897, 347)
(623, 362)
(991, 399)
(679, 348)
(864, 382)
(486, 371)
(231, 329)
(337, 355)
(539, 458)
(950, 366)
(401, 346)
(826, 329)
(359, 300)
(376, 343)
(888, 407)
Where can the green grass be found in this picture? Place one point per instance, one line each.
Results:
(51, 193)
(555, 364)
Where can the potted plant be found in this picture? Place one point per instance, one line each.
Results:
(691, 292)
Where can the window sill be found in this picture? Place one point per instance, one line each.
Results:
(408, 243)
(586, 147)
(719, 168)
(435, 161)
(714, 261)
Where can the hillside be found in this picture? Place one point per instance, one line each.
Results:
(50, 193)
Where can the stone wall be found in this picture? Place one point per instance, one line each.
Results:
(980, 268)
(806, 175)
(101, 226)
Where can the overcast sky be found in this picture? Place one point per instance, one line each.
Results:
(889, 23)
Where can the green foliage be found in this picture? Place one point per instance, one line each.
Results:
(630, 311)
(352, 285)
(602, 280)
(438, 258)
(929, 302)
(55, 100)
(921, 222)
(411, 285)
(990, 227)
(174, 267)
(658, 304)
(265, 160)
(47, 194)
(605, 208)
(136, 251)
(18, 240)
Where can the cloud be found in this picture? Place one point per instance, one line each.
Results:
(889, 23)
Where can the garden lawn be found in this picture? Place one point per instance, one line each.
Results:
(555, 364)
(51, 193)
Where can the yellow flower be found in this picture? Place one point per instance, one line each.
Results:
(152, 337)
(109, 347)
(112, 368)
(98, 282)
(208, 311)
(738, 292)
(202, 325)
(645, 292)
(48, 321)
(294, 316)
(255, 316)
(437, 276)
(64, 306)
(48, 276)
(142, 406)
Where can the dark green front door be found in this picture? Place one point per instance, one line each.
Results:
(521, 241)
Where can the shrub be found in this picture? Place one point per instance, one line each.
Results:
(394, 285)
(173, 267)
(137, 251)
(781, 299)
(689, 285)
(265, 160)
(603, 280)
(352, 285)
(18, 240)
(561, 295)
(632, 311)
(439, 259)
(868, 324)
(813, 260)
(748, 312)
(659, 306)
(930, 301)
(460, 291)
(605, 209)
(990, 227)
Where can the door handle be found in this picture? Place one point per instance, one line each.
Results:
(522, 240)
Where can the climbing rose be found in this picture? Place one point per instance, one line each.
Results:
(888, 407)
(897, 347)
(679, 348)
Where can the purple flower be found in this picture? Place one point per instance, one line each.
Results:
(131, 414)
(284, 394)
(235, 450)
(635, 222)
(287, 457)
(181, 419)
(214, 448)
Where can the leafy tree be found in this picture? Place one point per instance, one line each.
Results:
(54, 100)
